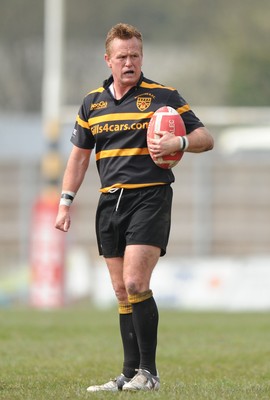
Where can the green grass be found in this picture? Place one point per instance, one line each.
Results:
(57, 354)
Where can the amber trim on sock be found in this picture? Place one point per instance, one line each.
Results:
(139, 297)
(124, 308)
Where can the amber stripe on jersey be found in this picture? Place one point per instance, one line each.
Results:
(130, 186)
(119, 117)
(155, 86)
(183, 109)
(122, 153)
(82, 123)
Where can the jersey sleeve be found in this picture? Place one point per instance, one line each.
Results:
(82, 136)
(191, 121)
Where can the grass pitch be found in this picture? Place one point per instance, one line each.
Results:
(57, 354)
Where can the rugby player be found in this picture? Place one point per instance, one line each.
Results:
(134, 211)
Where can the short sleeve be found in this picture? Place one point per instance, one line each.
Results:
(191, 121)
(82, 136)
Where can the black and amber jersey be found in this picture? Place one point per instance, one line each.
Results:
(117, 129)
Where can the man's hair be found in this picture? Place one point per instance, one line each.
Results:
(122, 31)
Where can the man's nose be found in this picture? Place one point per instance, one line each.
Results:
(128, 61)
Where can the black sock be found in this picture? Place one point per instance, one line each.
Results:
(130, 345)
(145, 320)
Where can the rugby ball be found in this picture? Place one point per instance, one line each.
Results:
(166, 119)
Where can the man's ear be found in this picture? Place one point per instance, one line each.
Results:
(107, 60)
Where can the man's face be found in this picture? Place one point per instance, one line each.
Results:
(125, 61)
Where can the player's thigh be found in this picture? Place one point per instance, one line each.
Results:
(139, 263)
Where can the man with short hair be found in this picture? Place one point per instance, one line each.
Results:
(134, 211)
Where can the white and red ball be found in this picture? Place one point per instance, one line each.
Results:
(166, 119)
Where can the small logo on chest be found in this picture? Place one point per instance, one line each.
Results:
(98, 106)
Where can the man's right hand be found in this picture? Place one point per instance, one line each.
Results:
(63, 219)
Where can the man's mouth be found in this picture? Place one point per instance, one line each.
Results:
(129, 72)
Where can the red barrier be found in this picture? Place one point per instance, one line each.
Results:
(47, 256)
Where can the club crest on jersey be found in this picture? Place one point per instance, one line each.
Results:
(143, 103)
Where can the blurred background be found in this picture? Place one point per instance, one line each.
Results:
(216, 53)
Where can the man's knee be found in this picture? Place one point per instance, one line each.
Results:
(120, 292)
(136, 284)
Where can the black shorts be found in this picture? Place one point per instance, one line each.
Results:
(133, 216)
